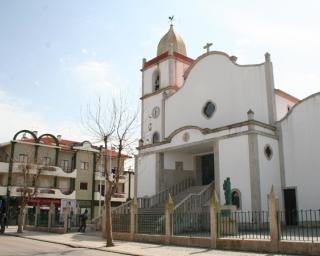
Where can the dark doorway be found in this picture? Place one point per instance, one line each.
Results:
(290, 205)
(207, 167)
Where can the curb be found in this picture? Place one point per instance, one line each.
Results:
(77, 246)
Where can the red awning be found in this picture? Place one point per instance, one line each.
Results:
(44, 201)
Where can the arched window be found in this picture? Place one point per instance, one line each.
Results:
(156, 80)
(155, 137)
(236, 198)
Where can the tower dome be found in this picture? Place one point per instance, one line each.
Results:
(174, 39)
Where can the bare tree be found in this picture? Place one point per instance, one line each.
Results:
(29, 190)
(114, 127)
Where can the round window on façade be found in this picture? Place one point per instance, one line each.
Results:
(209, 109)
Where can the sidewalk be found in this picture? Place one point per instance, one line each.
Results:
(93, 240)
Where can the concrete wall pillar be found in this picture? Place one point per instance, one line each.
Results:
(66, 220)
(133, 219)
(51, 216)
(254, 165)
(273, 204)
(168, 219)
(37, 215)
(214, 220)
(103, 221)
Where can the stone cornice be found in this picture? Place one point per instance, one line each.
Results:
(206, 131)
(216, 53)
(170, 87)
(164, 56)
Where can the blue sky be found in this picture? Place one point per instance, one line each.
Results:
(58, 56)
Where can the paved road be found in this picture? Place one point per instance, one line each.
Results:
(15, 246)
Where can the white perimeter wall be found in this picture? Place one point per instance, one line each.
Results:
(146, 183)
(301, 146)
(269, 170)
(232, 88)
(234, 163)
(170, 159)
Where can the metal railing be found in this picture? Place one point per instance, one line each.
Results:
(301, 225)
(74, 221)
(30, 219)
(122, 209)
(194, 202)
(193, 224)
(245, 225)
(121, 222)
(160, 198)
(150, 224)
(42, 219)
(57, 220)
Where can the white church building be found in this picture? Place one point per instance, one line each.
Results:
(210, 118)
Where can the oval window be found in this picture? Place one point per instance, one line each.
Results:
(208, 109)
(268, 152)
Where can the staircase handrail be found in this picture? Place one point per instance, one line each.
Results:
(162, 196)
(122, 209)
(195, 200)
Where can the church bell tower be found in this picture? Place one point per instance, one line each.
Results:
(162, 76)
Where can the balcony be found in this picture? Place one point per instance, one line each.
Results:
(45, 170)
(3, 190)
(101, 176)
(4, 167)
(118, 197)
(54, 193)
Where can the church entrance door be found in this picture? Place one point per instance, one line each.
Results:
(207, 166)
(290, 205)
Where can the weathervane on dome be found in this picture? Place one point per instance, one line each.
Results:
(171, 19)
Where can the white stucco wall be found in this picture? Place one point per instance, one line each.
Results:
(170, 159)
(269, 170)
(234, 163)
(146, 182)
(301, 150)
(180, 70)
(164, 76)
(148, 105)
(232, 88)
(282, 106)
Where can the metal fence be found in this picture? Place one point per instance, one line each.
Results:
(30, 219)
(43, 218)
(150, 224)
(121, 222)
(301, 225)
(250, 225)
(194, 224)
(74, 221)
(57, 220)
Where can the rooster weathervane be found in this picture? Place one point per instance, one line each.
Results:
(171, 19)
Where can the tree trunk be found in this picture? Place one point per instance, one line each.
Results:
(109, 237)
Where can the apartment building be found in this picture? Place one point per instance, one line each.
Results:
(70, 173)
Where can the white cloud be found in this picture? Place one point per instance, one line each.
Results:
(84, 51)
(97, 78)
(15, 116)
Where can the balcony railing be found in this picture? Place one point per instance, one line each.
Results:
(116, 197)
(45, 192)
(46, 169)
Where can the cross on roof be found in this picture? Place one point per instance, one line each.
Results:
(207, 46)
